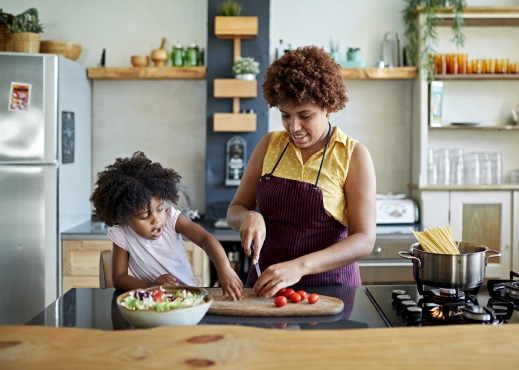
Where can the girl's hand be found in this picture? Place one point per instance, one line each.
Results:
(276, 277)
(166, 279)
(231, 283)
(253, 229)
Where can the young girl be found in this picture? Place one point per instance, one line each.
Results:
(147, 238)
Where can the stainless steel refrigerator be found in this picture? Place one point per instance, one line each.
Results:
(45, 175)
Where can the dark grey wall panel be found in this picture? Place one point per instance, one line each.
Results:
(219, 65)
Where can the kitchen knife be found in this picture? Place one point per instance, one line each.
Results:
(258, 272)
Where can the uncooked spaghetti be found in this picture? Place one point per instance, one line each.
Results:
(438, 240)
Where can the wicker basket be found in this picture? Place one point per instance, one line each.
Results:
(25, 42)
(3, 37)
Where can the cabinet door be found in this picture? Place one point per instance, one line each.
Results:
(486, 219)
(81, 262)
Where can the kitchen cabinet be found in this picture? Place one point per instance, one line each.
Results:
(235, 28)
(81, 262)
(484, 211)
(483, 217)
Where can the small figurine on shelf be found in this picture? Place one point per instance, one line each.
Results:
(245, 68)
(160, 55)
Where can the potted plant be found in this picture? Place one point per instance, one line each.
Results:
(24, 32)
(5, 20)
(230, 9)
(230, 23)
(245, 68)
(429, 35)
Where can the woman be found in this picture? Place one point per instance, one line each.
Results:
(313, 185)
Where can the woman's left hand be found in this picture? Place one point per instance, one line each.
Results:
(276, 277)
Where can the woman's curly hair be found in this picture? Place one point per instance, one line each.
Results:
(305, 75)
(130, 183)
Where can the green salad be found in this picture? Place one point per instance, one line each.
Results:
(159, 300)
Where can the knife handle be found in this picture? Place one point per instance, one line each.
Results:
(252, 249)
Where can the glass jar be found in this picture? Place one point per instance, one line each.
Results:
(192, 56)
(177, 57)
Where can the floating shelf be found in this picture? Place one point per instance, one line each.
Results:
(478, 77)
(374, 73)
(466, 187)
(234, 122)
(234, 88)
(476, 128)
(197, 73)
(232, 27)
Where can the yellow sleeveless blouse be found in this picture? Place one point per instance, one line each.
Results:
(333, 174)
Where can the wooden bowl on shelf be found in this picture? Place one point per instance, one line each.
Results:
(140, 60)
(68, 49)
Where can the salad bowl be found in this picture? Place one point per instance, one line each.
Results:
(178, 305)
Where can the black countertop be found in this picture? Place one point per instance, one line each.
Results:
(95, 308)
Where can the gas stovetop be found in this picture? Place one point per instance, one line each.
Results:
(403, 305)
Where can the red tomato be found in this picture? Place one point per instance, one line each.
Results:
(294, 297)
(157, 295)
(287, 292)
(280, 292)
(280, 301)
(302, 293)
(313, 298)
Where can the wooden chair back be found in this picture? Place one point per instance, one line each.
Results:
(105, 269)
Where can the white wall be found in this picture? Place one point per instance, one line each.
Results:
(123, 27)
(378, 114)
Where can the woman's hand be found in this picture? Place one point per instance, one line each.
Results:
(231, 283)
(166, 279)
(278, 276)
(253, 229)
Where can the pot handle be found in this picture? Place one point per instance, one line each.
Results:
(497, 254)
(408, 256)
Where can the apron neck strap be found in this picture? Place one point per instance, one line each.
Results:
(322, 160)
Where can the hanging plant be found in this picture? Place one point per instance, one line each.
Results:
(430, 8)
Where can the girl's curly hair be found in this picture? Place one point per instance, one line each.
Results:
(305, 75)
(130, 183)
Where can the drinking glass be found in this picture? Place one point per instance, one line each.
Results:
(456, 166)
(471, 168)
(485, 169)
(462, 64)
(432, 168)
(441, 159)
(496, 166)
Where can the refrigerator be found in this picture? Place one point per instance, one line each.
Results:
(45, 175)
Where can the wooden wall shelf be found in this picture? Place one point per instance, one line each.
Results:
(374, 73)
(477, 77)
(234, 88)
(195, 73)
(232, 27)
(234, 122)
(476, 128)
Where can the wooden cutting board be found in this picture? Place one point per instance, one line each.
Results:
(252, 305)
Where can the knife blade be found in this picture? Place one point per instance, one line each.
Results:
(258, 272)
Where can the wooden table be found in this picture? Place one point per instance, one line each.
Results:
(240, 347)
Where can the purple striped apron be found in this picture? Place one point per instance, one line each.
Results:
(297, 224)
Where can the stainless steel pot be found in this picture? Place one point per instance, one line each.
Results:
(465, 270)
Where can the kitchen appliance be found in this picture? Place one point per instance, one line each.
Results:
(404, 305)
(45, 175)
(464, 271)
(390, 50)
(397, 217)
(396, 209)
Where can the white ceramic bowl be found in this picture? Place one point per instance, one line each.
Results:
(179, 316)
